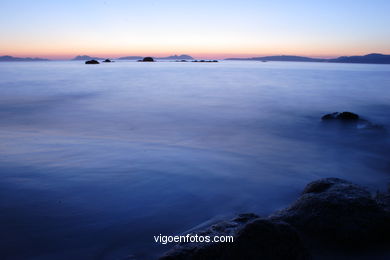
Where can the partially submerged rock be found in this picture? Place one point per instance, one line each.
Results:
(92, 62)
(339, 212)
(254, 238)
(343, 116)
(147, 59)
(352, 121)
(107, 60)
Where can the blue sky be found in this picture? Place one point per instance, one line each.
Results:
(200, 28)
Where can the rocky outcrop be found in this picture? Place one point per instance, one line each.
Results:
(254, 238)
(92, 62)
(337, 211)
(351, 121)
(147, 59)
(383, 199)
(331, 211)
(343, 116)
(107, 60)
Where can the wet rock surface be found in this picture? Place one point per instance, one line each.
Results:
(332, 211)
(254, 238)
(337, 211)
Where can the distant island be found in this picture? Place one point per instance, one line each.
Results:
(131, 58)
(11, 58)
(177, 57)
(86, 57)
(373, 58)
(280, 58)
(173, 57)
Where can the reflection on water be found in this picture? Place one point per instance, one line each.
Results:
(96, 160)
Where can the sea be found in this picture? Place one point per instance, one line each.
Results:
(96, 160)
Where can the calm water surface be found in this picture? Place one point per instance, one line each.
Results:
(95, 160)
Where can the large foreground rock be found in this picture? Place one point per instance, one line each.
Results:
(330, 214)
(254, 238)
(338, 212)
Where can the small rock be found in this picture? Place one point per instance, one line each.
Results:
(148, 59)
(344, 116)
(92, 62)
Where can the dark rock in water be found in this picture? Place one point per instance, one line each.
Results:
(339, 212)
(254, 238)
(92, 62)
(347, 116)
(352, 120)
(344, 116)
(330, 116)
(148, 59)
(107, 60)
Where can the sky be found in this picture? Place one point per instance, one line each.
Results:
(201, 28)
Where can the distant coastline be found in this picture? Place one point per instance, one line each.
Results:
(173, 57)
(373, 58)
(11, 58)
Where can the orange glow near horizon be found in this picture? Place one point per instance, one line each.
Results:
(212, 48)
(69, 54)
(112, 29)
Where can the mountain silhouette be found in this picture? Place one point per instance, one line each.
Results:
(373, 58)
(177, 57)
(11, 58)
(86, 57)
(280, 58)
(173, 57)
(131, 58)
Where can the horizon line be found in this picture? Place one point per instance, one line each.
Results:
(208, 56)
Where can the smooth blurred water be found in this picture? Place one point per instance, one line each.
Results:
(97, 159)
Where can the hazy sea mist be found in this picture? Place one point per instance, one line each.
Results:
(97, 159)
